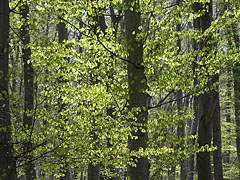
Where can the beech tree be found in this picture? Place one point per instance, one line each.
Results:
(137, 84)
(122, 95)
(7, 161)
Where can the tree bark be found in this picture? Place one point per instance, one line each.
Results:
(28, 93)
(179, 94)
(7, 161)
(137, 85)
(194, 127)
(94, 170)
(217, 141)
(62, 35)
(193, 141)
(236, 83)
(205, 101)
(181, 134)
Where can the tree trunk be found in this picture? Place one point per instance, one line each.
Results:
(236, 82)
(181, 129)
(193, 141)
(137, 85)
(28, 93)
(181, 134)
(7, 161)
(62, 35)
(217, 141)
(94, 170)
(205, 101)
(194, 127)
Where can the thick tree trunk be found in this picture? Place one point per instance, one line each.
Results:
(206, 102)
(137, 85)
(7, 162)
(204, 137)
(28, 93)
(93, 172)
(217, 141)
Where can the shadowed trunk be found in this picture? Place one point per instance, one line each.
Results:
(28, 92)
(206, 102)
(7, 162)
(217, 141)
(137, 85)
(94, 170)
(62, 35)
(236, 82)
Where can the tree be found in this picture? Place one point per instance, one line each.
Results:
(217, 140)
(28, 121)
(138, 98)
(236, 82)
(105, 105)
(206, 101)
(63, 36)
(7, 161)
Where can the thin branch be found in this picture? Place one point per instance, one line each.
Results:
(12, 10)
(160, 103)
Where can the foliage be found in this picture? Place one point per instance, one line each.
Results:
(87, 74)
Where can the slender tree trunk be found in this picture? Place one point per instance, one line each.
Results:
(28, 93)
(228, 117)
(236, 82)
(181, 134)
(110, 110)
(217, 141)
(137, 85)
(94, 170)
(181, 129)
(7, 162)
(205, 101)
(236, 73)
(172, 173)
(62, 35)
(194, 127)
(193, 141)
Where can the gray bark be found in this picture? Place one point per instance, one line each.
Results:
(62, 35)
(194, 126)
(193, 141)
(217, 141)
(136, 84)
(94, 170)
(7, 161)
(181, 134)
(226, 156)
(206, 102)
(172, 173)
(236, 82)
(181, 129)
(28, 93)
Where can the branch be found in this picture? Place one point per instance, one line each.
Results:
(12, 10)
(160, 103)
